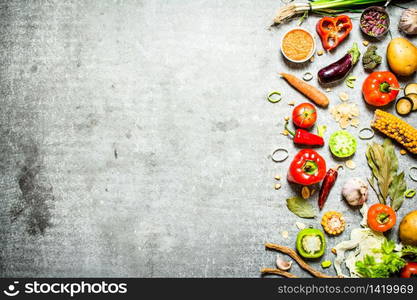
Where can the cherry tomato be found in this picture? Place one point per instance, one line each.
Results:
(304, 115)
(380, 88)
(409, 270)
(381, 217)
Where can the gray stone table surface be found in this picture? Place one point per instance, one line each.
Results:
(135, 137)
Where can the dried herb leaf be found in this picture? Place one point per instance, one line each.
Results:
(384, 166)
(397, 191)
(372, 184)
(300, 207)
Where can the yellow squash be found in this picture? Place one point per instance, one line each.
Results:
(402, 56)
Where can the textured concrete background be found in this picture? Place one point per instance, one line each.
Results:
(135, 137)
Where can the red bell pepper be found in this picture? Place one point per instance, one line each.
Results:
(380, 88)
(303, 137)
(409, 270)
(333, 30)
(307, 168)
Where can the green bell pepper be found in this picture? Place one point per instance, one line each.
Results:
(311, 243)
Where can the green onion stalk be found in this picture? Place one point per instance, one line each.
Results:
(320, 7)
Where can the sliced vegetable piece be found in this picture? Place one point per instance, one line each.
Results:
(413, 98)
(311, 243)
(333, 222)
(321, 129)
(410, 193)
(274, 99)
(350, 164)
(366, 137)
(350, 81)
(404, 106)
(333, 30)
(410, 88)
(281, 159)
(307, 76)
(342, 144)
(326, 264)
(413, 176)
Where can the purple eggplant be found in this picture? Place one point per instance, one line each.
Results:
(338, 70)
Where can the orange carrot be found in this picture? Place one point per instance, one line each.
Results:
(307, 90)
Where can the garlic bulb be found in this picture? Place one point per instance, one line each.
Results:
(408, 21)
(355, 191)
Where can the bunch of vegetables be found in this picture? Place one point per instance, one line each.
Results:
(389, 262)
(375, 255)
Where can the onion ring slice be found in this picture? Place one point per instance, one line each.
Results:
(366, 137)
(413, 177)
(282, 158)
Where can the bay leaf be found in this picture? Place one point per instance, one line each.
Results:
(397, 191)
(301, 207)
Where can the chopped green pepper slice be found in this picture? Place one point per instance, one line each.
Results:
(342, 144)
(326, 264)
(311, 243)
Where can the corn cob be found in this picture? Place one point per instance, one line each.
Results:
(397, 129)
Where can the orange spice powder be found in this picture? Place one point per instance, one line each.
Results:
(297, 44)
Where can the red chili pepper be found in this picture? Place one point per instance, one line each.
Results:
(409, 270)
(303, 137)
(328, 183)
(333, 31)
(307, 168)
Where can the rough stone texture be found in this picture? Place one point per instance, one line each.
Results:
(135, 137)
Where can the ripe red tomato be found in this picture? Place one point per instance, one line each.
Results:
(304, 115)
(380, 88)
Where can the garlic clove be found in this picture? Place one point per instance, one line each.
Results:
(283, 264)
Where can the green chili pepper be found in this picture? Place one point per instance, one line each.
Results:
(311, 243)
